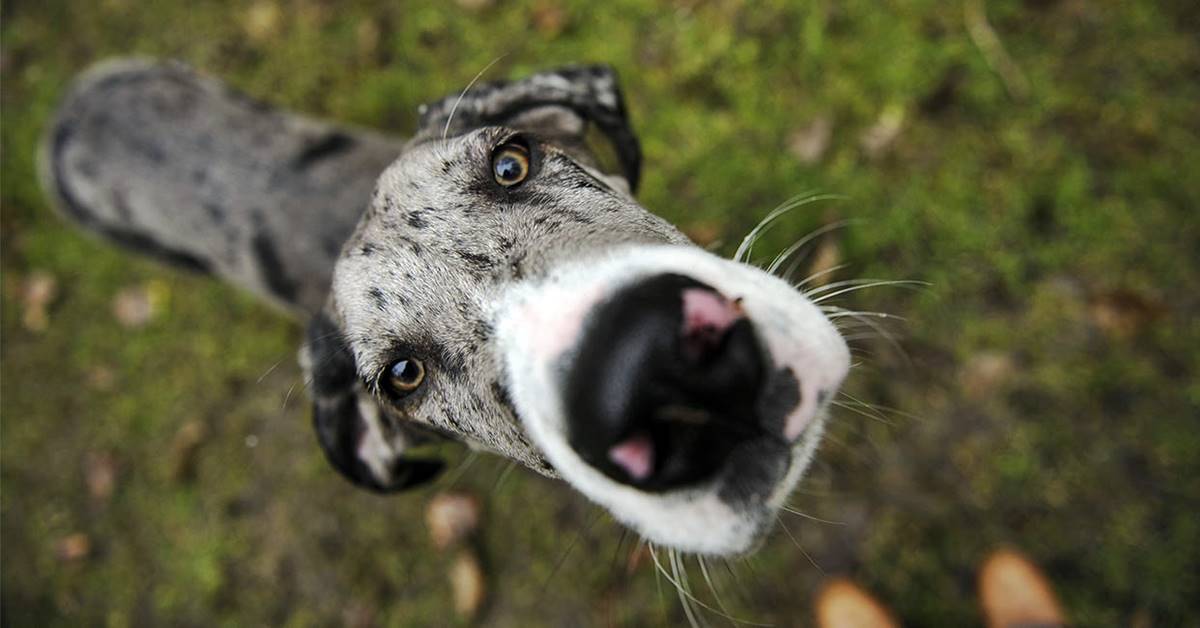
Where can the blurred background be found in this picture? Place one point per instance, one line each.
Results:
(1035, 162)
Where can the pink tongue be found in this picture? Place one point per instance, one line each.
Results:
(635, 455)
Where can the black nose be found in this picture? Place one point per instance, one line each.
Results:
(664, 384)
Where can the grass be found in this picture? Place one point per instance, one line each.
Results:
(1046, 396)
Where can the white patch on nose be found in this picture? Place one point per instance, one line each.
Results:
(540, 321)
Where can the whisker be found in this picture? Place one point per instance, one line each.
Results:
(799, 513)
(685, 592)
(454, 108)
(881, 408)
(743, 251)
(458, 472)
(791, 250)
(877, 284)
(508, 468)
(817, 275)
(268, 372)
(869, 415)
(796, 542)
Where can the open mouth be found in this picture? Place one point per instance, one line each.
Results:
(681, 391)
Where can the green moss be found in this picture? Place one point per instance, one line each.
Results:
(1027, 216)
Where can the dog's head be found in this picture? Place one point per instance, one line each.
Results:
(505, 289)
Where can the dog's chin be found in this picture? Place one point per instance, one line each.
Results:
(539, 325)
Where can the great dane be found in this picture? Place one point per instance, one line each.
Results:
(490, 280)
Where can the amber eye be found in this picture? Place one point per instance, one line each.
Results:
(403, 377)
(510, 164)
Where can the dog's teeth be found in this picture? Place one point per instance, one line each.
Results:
(635, 455)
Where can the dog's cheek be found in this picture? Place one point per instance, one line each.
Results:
(348, 423)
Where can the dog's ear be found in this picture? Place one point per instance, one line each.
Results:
(565, 100)
(357, 439)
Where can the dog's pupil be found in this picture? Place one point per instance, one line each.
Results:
(508, 168)
(404, 371)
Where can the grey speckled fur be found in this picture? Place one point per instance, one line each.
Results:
(170, 163)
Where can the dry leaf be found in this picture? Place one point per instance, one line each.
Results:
(73, 547)
(704, 234)
(100, 378)
(261, 21)
(549, 18)
(466, 580)
(39, 292)
(985, 372)
(100, 471)
(810, 143)
(827, 257)
(135, 306)
(876, 140)
(184, 450)
(1122, 313)
(452, 517)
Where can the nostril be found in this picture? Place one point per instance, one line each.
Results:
(635, 456)
(707, 316)
(664, 383)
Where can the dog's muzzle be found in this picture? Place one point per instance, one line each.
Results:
(665, 384)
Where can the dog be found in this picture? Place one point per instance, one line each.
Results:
(489, 280)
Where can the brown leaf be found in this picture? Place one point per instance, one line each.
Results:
(261, 21)
(827, 257)
(452, 517)
(704, 234)
(100, 378)
(1122, 313)
(184, 450)
(100, 472)
(876, 140)
(549, 18)
(39, 292)
(135, 306)
(637, 557)
(467, 582)
(986, 372)
(810, 143)
(73, 547)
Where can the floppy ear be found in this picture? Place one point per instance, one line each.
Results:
(589, 92)
(357, 439)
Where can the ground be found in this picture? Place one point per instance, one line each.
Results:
(1035, 163)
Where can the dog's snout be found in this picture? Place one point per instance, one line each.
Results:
(664, 384)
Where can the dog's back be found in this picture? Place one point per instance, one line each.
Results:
(166, 162)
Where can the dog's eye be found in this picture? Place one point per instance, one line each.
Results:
(403, 377)
(510, 164)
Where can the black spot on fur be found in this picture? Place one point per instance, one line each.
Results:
(144, 244)
(502, 396)
(416, 221)
(412, 244)
(377, 297)
(333, 368)
(477, 261)
(446, 167)
(366, 250)
(214, 211)
(451, 363)
(781, 395)
(272, 270)
(332, 144)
